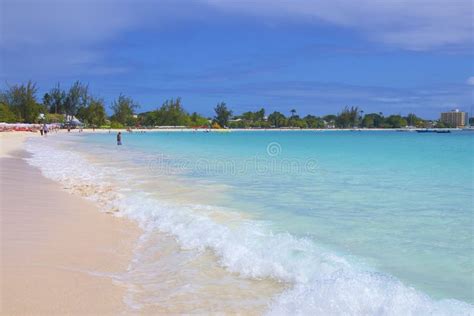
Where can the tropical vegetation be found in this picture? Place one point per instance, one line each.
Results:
(20, 103)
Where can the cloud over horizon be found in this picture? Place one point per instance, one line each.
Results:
(412, 25)
(209, 45)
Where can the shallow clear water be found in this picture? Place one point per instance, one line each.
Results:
(382, 219)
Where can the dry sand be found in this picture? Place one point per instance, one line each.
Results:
(51, 241)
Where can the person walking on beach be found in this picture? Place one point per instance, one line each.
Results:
(119, 139)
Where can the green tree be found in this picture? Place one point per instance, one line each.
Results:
(348, 117)
(57, 101)
(395, 121)
(413, 120)
(6, 115)
(76, 98)
(172, 113)
(299, 123)
(277, 119)
(223, 114)
(248, 116)
(239, 124)
(313, 121)
(259, 116)
(198, 120)
(21, 100)
(360, 117)
(294, 119)
(94, 113)
(147, 118)
(441, 124)
(260, 124)
(47, 100)
(373, 120)
(331, 118)
(124, 109)
(368, 121)
(251, 119)
(293, 113)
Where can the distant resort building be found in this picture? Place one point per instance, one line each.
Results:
(455, 118)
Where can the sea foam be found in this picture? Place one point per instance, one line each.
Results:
(322, 282)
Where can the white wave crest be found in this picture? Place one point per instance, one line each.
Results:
(323, 283)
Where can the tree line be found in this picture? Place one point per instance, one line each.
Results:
(19, 103)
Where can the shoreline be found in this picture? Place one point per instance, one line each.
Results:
(87, 259)
(229, 130)
(53, 244)
(162, 277)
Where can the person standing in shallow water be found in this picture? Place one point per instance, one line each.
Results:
(119, 139)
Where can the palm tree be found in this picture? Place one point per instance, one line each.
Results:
(361, 116)
(293, 112)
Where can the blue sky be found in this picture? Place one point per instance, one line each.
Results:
(391, 56)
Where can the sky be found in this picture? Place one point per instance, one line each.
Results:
(316, 56)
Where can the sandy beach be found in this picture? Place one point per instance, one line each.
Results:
(110, 234)
(59, 251)
(51, 241)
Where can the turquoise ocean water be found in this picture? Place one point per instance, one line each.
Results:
(376, 222)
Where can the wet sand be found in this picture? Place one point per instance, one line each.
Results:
(51, 241)
(58, 252)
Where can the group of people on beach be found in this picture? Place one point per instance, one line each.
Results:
(44, 130)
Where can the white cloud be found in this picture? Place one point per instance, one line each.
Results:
(33, 22)
(409, 24)
(62, 36)
(44, 37)
(470, 81)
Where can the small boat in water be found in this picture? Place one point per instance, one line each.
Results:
(425, 131)
(438, 131)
